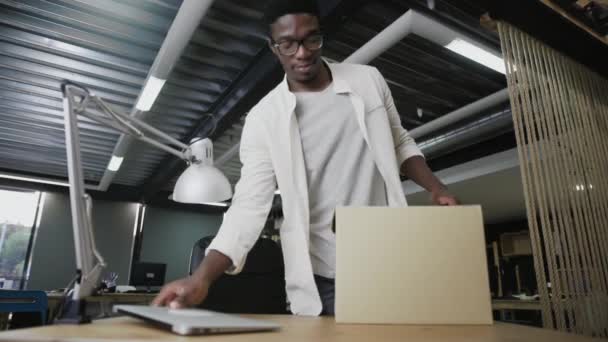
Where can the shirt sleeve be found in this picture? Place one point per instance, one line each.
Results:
(252, 198)
(405, 146)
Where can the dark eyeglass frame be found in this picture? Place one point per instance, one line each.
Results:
(301, 42)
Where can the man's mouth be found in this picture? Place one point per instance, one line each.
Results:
(304, 68)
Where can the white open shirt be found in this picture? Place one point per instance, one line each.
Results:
(271, 153)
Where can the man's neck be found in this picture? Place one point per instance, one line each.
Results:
(319, 83)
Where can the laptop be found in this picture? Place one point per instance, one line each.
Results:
(413, 265)
(194, 321)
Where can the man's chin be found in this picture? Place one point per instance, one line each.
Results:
(306, 76)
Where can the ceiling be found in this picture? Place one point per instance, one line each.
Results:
(109, 46)
(593, 14)
(106, 48)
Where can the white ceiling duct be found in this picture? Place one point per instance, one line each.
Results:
(413, 22)
(182, 29)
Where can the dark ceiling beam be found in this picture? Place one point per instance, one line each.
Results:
(457, 22)
(554, 30)
(261, 76)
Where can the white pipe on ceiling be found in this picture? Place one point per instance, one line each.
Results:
(413, 22)
(182, 29)
(460, 114)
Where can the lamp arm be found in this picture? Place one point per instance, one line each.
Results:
(89, 209)
(76, 101)
(88, 264)
(87, 281)
(126, 119)
(124, 123)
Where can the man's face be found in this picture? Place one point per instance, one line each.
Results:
(305, 64)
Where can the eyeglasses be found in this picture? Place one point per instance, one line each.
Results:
(290, 47)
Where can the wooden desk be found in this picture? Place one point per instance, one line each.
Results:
(294, 329)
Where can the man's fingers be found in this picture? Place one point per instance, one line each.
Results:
(176, 304)
(445, 200)
(165, 296)
(449, 201)
(179, 301)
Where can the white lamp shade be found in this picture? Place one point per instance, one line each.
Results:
(201, 183)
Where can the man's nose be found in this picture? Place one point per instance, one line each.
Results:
(302, 52)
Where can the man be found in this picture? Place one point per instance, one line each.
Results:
(329, 135)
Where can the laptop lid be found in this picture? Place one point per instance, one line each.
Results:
(194, 321)
(413, 265)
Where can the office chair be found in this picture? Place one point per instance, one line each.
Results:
(259, 288)
(16, 301)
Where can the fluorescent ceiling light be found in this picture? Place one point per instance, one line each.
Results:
(115, 163)
(150, 93)
(477, 54)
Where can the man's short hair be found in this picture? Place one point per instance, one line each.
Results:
(279, 8)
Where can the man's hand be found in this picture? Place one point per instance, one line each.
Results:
(443, 197)
(182, 293)
(418, 171)
(191, 291)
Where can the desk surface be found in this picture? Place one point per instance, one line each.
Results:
(321, 329)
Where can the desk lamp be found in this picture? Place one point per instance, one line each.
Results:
(199, 183)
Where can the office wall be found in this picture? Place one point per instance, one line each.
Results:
(168, 236)
(53, 261)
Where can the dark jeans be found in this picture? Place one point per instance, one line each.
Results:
(327, 290)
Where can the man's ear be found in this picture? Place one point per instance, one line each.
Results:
(271, 46)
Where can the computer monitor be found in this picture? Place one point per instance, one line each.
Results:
(148, 274)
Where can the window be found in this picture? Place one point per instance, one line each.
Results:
(18, 214)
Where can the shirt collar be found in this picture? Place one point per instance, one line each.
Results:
(340, 85)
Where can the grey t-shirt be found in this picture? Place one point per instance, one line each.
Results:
(340, 168)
